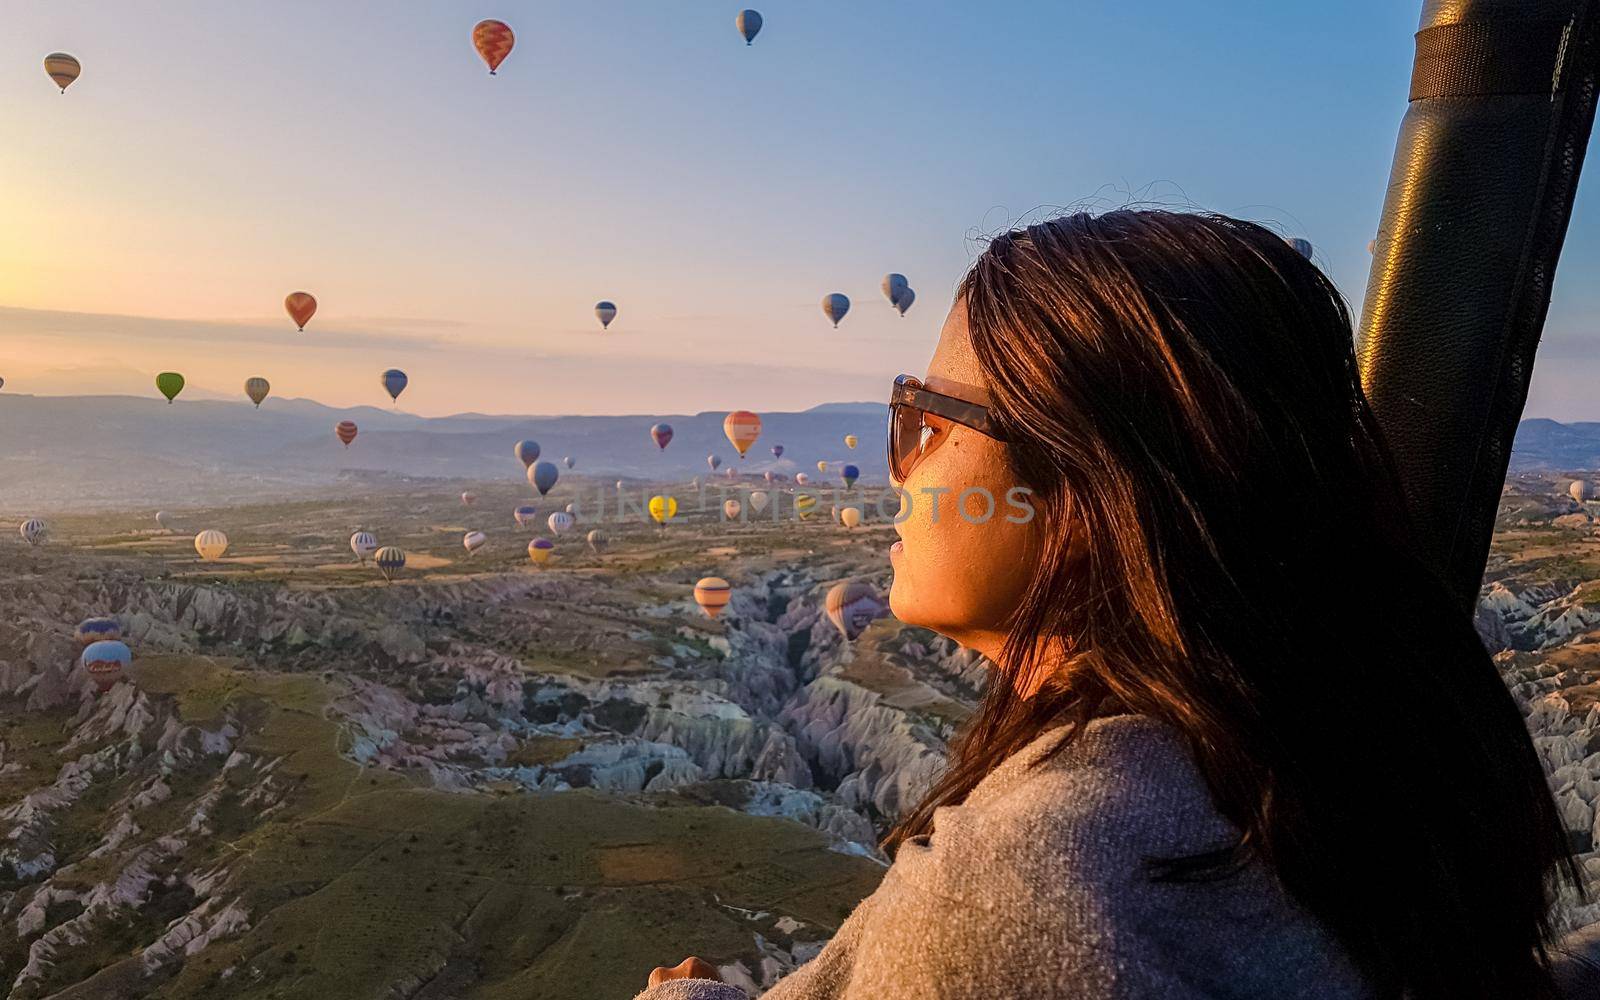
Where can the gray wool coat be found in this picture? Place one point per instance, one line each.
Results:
(1033, 888)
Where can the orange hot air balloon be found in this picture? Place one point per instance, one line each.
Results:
(712, 594)
(301, 308)
(742, 428)
(493, 40)
(346, 431)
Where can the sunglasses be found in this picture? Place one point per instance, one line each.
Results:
(915, 414)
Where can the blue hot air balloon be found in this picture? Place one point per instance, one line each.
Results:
(543, 475)
(105, 661)
(749, 24)
(835, 305)
(777, 451)
(525, 514)
(95, 629)
(850, 474)
(527, 452)
(394, 382)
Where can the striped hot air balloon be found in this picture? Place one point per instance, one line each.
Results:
(493, 40)
(834, 306)
(34, 531)
(559, 522)
(210, 544)
(805, 505)
(363, 544)
(539, 549)
(742, 428)
(95, 629)
(597, 541)
(257, 389)
(473, 541)
(62, 68)
(104, 661)
(605, 312)
(712, 593)
(345, 430)
(391, 560)
(852, 606)
(394, 383)
(301, 306)
(661, 434)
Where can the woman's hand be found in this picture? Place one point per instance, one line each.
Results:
(689, 968)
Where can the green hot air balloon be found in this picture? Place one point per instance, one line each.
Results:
(170, 384)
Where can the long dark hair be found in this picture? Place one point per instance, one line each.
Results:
(1182, 393)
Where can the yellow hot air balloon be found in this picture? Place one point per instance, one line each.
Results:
(63, 69)
(742, 428)
(730, 509)
(663, 508)
(257, 389)
(805, 505)
(211, 544)
(850, 517)
(850, 441)
(822, 466)
(712, 594)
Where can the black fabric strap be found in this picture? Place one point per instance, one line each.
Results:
(1480, 58)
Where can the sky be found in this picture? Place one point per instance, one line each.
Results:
(214, 157)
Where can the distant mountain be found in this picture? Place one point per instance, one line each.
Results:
(1547, 444)
(88, 452)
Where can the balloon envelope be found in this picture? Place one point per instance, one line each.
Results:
(301, 307)
(777, 451)
(834, 306)
(211, 544)
(605, 312)
(893, 285)
(559, 522)
(363, 544)
(391, 560)
(527, 452)
(62, 68)
(105, 661)
(801, 478)
(525, 514)
(742, 428)
(730, 510)
(493, 40)
(394, 382)
(907, 297)
(163, 519)
(663, 508)
(473, 541)
(850, 517)
(257, 389)
(852, 606)
(714, 461)
(850, 474)
(170, 384)
(34, 531)
(661, 434)
(597, 541)
(1578, 490)
(94, 629)
(345, 430)
(749, 24)
(758, 501)
(543, 476)
(850, 441)
(468, 499)
(712, 593)
(568, 462)
(539, 549)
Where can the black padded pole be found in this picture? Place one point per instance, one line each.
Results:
(1502, 100)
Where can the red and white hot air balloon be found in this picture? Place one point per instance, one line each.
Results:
(346, 431)
(493, 40)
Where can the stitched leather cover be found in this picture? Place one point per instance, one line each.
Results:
(1502, 99)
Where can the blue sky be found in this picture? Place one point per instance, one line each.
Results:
(214, 157)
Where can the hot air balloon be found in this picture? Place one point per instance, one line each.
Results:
(394, 383)
(345, 430)
(559, 522)
(391, 560)
(493, 40)
(742, 428)
(170, 384)
(301, 307)
(1301, 246)
(92, 630)
(163, 519)
(468, 499)
(568, 462)
(257, 389)
(473, 541)
(822, 467)
(893, 285)
(749, 24)
(805, 505)
(62, 68)
(597, 541)
(663, 508)
(525, 514)
(729, 472)
(849, 474)
(527, 452)
(850, 517)
(104, 662)
(619, 485)
(211, 544)
(907, 297)
(661, 434)
(1578, 490)
(605, 312)
(777, 451)
(712, 593)
(363, 544)
(852, 606)
(543, 475)
(850, 441)
(801, 478)
(34, 531)
(730, 510)
(572, 509)
(539, 549)
(834, 306)
(758, 501)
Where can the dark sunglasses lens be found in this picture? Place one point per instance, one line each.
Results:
(905, 432)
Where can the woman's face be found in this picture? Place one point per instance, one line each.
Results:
(961, 577)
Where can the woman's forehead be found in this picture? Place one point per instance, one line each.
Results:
(953, 369)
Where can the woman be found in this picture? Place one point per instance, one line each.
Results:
(1239, 742)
